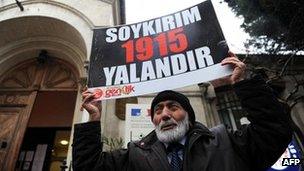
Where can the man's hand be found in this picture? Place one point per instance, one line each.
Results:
(239, 67)
(93, 107)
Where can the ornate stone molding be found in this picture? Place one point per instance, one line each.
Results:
(22, 77)
(58, 76)
(55, 74)
(13, 99)
(54, 3)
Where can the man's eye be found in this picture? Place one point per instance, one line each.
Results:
(157, 111)
(173, 108)
(175, 105)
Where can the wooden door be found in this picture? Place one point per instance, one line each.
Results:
(15, 110)
(8, 120)
(18, 91)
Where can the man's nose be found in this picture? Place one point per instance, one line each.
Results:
(166, 114)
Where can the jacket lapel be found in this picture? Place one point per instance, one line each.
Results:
(197, 132)
(158, 157)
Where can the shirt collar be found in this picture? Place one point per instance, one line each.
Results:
(182, 142)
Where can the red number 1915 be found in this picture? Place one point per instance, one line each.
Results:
(142, 48)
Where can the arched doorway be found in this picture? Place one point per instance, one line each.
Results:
(36, 94)
(26, 81)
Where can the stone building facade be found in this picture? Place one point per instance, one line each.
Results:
(45, 48)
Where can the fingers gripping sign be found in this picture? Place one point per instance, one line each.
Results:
(238, 73)
(89, 103)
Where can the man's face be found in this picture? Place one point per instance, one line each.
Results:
(166, 110)
(170, 120)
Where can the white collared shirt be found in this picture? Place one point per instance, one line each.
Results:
(180, 152)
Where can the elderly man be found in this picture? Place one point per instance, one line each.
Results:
(180, 143)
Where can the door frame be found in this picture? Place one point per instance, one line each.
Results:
(19, 87)
(21, 103)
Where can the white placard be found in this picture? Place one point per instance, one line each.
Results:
(138, 122)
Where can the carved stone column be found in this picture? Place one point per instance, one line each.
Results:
(209, 104)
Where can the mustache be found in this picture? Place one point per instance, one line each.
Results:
(174, 134)
(170, 122)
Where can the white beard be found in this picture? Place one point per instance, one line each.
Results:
(175, 134)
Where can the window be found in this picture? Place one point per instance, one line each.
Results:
(229, 108)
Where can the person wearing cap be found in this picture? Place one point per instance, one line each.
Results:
(180, 143)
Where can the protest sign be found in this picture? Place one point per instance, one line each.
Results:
(176, 50)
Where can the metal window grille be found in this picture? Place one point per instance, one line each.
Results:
(229, 108)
